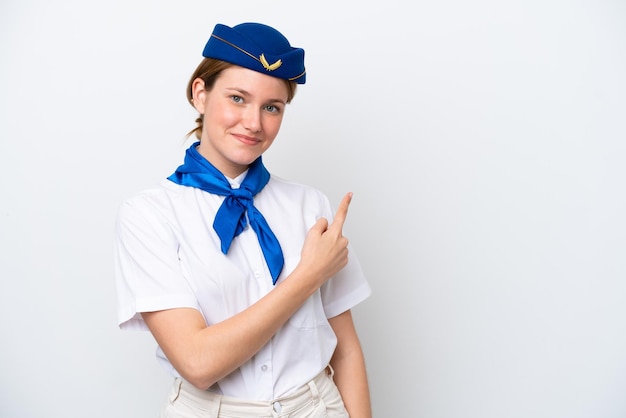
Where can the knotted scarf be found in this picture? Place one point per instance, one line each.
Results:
(231, 218)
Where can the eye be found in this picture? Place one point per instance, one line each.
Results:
(236, 99)
(272, 108)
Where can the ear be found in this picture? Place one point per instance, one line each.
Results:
(198, 94)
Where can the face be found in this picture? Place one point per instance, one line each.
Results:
(242, 116)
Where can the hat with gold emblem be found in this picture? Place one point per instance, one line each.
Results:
(257, 47)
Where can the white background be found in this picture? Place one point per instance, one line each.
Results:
(484, 142)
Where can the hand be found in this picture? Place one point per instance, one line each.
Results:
(325, 249)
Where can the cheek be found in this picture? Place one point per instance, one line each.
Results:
(222, 115)
(271, 126)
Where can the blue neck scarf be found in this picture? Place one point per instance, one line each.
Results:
(231, 218)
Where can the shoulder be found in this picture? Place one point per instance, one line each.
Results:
(151, 201)
(293, 197)
(293, 187)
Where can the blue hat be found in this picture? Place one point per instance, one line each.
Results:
(257, 47)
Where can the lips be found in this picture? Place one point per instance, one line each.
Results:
(250, 140)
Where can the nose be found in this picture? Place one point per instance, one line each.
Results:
(252, 120)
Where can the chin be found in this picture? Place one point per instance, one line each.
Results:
(245, 159)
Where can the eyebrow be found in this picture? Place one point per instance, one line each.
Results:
(247, 93)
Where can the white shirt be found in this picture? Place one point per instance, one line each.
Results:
(167, 255)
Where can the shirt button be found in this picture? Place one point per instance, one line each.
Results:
(278, 408)
(257, 274)
(264, 367)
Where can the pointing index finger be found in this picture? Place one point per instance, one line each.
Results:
(342, 211)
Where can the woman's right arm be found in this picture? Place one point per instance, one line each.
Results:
(203, 355)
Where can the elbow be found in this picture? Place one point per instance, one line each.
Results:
(198, 375)
(199, 383)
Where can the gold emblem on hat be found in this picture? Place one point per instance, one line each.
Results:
(267, 65)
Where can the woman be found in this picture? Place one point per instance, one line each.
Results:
(239, 275)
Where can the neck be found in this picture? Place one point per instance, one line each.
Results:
(226, 166)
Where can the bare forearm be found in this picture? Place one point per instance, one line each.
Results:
(225, 346)
(351, 380)
(350, 371)
(203, 355)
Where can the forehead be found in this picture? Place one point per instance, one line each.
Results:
(252, 82)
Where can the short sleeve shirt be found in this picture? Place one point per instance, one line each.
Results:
(167, 256)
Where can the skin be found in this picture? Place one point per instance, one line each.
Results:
(242, 116)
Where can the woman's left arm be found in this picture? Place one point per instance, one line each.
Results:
(349, 365)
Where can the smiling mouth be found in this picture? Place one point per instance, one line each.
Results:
(247, 139)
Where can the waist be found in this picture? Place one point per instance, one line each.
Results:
(306, 394)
